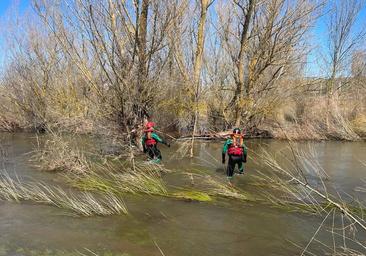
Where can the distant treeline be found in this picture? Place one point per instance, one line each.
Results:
(196, 67)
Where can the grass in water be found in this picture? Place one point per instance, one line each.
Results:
(192, 196)
(119, 178)
(84, 203)
(57, 154)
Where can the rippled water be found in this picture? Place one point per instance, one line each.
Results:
(224, 227)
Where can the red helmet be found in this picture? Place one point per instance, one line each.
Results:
(149, 125)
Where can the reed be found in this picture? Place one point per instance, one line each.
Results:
(84, 203)
(56, 154)
(119, 178)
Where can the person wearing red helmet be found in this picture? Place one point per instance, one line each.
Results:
(237, 152)
(149, 142)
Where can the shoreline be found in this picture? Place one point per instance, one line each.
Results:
(220, 136)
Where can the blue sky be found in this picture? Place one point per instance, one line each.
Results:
(318, 34)
(319, 40)
(6, 7)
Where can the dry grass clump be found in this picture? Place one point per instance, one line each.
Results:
(118, 178)
(103, 174)
(318, 118)
(223, 189)
(58, 155)
(85, 203)
(359, 124)
(217, 187)
(192, 195)
(8, 124)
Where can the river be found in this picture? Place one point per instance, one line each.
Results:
(177, 228)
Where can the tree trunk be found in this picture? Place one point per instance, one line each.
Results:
(142, 64)
(238, 96)
(198, 65)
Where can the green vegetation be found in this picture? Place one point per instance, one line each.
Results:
(193, 196)
(82, 203)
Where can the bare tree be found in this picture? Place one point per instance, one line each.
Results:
(265, 40)
(204, 5)
(342, 38)
(342, 41)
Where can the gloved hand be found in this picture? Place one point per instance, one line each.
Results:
(223, 158)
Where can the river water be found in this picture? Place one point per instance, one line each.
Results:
(177, 228)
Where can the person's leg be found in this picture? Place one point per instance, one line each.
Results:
(157, 154)
(237, 160)
(241, 167)
(150, 152)
(230, 168)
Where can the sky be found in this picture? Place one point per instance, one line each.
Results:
(319, 40)
(318, 35)
(6, 8)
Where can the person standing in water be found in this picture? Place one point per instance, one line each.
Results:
(149, 143)
(237, 152)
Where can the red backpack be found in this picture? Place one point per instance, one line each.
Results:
(150, 141)
(236, 148)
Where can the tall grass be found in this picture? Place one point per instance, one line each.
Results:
(122, 177)
(317, 118)
(84, 203)
(56, 154)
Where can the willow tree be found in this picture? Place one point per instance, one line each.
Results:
(118, 46)
(186, 51)
(343, 40)
(197, 68)
(264, 39)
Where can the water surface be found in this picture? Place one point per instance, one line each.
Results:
(224, 227)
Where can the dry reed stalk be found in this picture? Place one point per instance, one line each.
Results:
(58, 155)
(122, 178)
(302, 191)
(301, 180)
(85, 204)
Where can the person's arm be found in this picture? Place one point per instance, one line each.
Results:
(224, 150)
(158, 139)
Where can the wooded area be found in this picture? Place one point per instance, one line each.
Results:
(194, 67)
